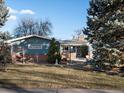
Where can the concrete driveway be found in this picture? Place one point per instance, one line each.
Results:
(3, 90)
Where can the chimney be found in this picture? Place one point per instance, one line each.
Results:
(80, 38)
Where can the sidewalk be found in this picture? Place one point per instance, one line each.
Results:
(3, 90)
(88, 91)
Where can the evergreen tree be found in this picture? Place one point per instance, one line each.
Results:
(4, 48)
(84, 50)
(105, 30)
(3, 13)
(53, 52)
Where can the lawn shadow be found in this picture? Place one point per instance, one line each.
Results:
(12, 87)
(52, 78)
(67, 81)
(74, 66)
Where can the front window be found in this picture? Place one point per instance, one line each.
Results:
(65, 48)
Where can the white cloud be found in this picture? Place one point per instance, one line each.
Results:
(27, 12)
(12, 17)
(12, 11)
(24, 11)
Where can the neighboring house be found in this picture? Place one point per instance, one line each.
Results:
(71, 49)
(32, 46)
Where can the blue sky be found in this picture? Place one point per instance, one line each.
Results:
(66, 16)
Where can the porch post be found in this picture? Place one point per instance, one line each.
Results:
(11, 49)
(90, 50)
(23, 54)
(70, 53)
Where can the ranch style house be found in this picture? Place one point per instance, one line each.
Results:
(35, 48)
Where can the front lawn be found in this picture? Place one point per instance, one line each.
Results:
(48, 76)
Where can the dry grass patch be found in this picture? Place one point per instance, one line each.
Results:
(47, 76)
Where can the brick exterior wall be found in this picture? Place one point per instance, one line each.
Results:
(29, 58)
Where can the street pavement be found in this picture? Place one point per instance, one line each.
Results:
(14, 90)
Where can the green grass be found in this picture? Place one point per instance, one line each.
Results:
(47, 76)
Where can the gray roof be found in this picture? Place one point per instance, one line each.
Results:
(73, 42)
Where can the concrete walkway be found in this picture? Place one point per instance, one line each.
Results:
(3, 90)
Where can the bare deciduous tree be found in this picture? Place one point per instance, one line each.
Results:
(28, 26)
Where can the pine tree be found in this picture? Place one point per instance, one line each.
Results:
(4, 48)
(53, 52)
(105, 30)
(3, 13)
